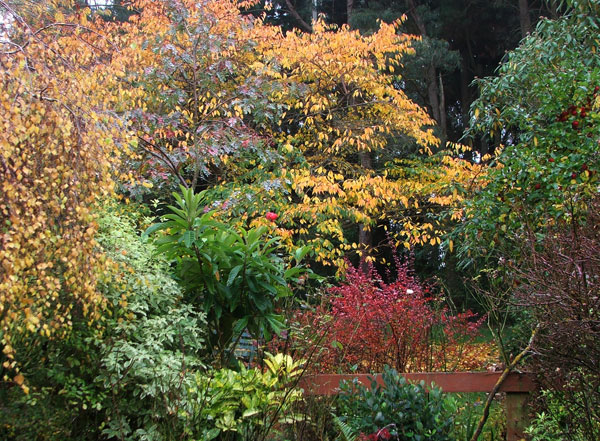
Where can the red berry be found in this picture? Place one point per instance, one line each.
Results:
(575, 124)
(584, 167)
(596, 89)
(551, 160)
(538, 186)
(573, 175)
(271, 216)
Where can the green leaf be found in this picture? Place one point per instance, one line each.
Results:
(301, 252)
(261, 302)
(212, 434)
(268, 287)
(234, 273)
(250, 412)
(152, 229)
(188, 238)
(240, 326)
(276, 322)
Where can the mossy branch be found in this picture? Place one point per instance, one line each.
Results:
(496, 388)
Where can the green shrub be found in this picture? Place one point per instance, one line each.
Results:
(244, 405)
(557, 422)
(123, 376)
(151, 340)
(236, 276)
(139, 373)
(408, 411)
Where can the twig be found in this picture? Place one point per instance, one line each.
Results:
(507, 370)
(163, 157)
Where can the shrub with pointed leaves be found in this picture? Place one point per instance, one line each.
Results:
(236, 276)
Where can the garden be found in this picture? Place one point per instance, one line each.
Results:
(299, 220)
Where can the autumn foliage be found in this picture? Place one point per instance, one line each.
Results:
(195, 93)
(367, 323)
(60, 148)
(274, 122)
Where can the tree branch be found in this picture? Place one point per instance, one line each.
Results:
(507, 370)
(303, 25)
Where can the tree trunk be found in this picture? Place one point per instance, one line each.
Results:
(433, 91)
(349, 8)
(303, 25)
(442, 110)
(465, 92)
(365, 236)
(524, 18)
(435, 100)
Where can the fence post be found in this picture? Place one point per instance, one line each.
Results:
(516, 415)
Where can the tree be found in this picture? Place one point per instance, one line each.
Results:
(61, 145)
(545, 103)
(300, 124)
(531, 233)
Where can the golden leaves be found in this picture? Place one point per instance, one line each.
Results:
(60, 143)
(336, 98)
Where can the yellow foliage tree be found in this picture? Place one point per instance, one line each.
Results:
(302, 124)
(349, 108)
(344, 111)
(60, 146)
(191, 66)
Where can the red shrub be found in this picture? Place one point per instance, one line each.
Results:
(369, 323)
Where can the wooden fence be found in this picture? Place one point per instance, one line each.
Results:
(517, 387)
